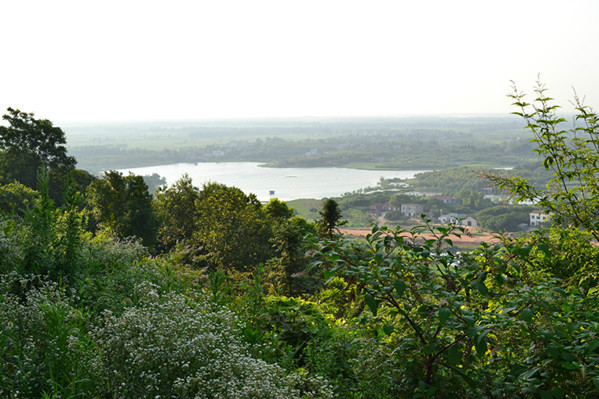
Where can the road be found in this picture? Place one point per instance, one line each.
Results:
(465, 240)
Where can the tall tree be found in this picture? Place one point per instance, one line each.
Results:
(330, 219)
(232, 227)
(175, 206)
(123, 205)
(28, 143)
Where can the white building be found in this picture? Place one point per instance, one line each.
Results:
(537, 218)
(411, 210)
(459, 219)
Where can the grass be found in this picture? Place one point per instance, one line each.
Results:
(306, 207)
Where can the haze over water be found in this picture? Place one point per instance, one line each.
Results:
(287, 183)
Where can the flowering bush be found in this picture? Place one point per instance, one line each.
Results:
(172, 347)
(11, 252)
(44, 346)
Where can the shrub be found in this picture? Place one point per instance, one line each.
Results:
(45, 348)
(171, 347)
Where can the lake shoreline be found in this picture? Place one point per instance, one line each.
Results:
(282, 183)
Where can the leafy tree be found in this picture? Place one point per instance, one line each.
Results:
(570, 155)
(473, 200)
(502, 217)
(27, 144)
(175, 206)
(287, 270)
(154, 181)
(278, 209)
(64, 179)
(232, 227)
(454, 318)
(398, 199)
(123, 205)
(16, 198)
(330, 219)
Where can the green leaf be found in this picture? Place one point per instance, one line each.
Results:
(388, 329)
(596, 382)
(444, 314)
(529, 373)
(558, 393)
(554, 352)
(400, 287)
(454, 353)
(372, 303)
(328, 275)
(430, 348)
(569, 366)
(480, 287)
(481, 346)
(527, 315)
(546, 395)
(594, 345)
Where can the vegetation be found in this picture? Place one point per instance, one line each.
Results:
(379, 143)
(205, 292)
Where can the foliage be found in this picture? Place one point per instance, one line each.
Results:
(175, 208)
(64, 179)
(45, 345)
(51, 238)
(456, 319)
(372, 143)
(330, 219)
(27, 144)
(154, 181)
(572, 193)
(277, 209)
(504, 217)
(123, 205)
(568, 254)
(16, 198)
(232, 227)
(449, 180)
(287, 269)
(173, 348)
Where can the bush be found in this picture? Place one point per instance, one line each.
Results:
(172, 347)
(45, 348)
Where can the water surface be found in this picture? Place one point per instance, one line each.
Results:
(287, 183)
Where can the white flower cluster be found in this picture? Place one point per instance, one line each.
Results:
(11, 252)
(43, 345)
(174, 347)
(113, 252)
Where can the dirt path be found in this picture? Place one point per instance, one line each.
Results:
(475, 240)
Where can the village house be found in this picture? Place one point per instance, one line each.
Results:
(459, 219)
(446, 199)
(378, 209)
(411, 210)
(537, 218)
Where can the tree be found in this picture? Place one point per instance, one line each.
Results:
(288, 269)
(27, 144)
(278, 209)
(154, 181)
(16, 198)
(330, 220)
(232, 227)
(570, 155)
(502, 217)
(175, 206)
(123, 205)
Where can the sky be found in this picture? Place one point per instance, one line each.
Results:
(169, 60)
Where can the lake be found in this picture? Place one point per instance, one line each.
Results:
(287, 183)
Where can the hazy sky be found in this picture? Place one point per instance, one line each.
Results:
(139, 60)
